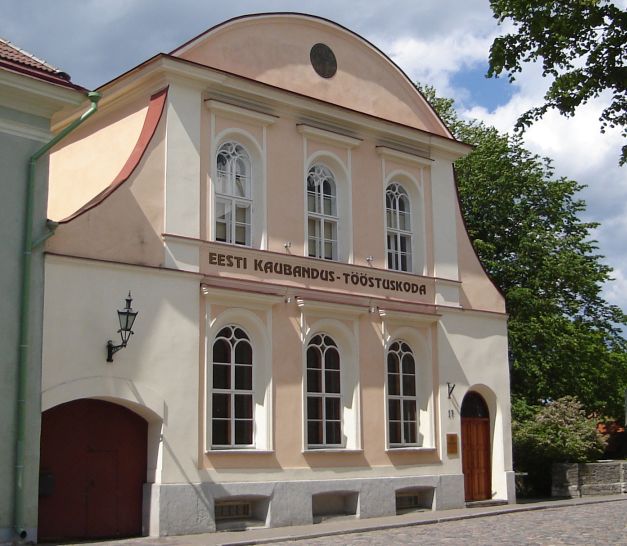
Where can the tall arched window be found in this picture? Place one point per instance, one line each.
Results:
(232, 394)
(233, 196)
(402, 398)
(398, 228)
(322, 217)
(324, 399)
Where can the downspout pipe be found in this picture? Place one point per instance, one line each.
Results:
(25, 311)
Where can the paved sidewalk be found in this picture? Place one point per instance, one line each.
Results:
(352, 525)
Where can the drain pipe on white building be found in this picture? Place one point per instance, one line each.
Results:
(25, 309)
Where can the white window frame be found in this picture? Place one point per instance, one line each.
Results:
(401, 348)
(323, 395)
(399, 228)
(232, 391)
(322, 211)
(228, 196)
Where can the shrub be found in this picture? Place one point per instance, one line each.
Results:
(559, 431)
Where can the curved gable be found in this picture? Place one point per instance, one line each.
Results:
(275, 49)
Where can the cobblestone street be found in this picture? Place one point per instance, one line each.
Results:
(590, 524)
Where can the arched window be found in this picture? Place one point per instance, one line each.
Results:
(233, 195)
(232, 394)
(322, 217)
(402, 398)
(324, 403)
(398, 228)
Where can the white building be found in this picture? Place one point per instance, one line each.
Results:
(280, 201)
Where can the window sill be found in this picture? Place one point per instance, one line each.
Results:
(308, 451)
(232, 451)
(409, 449)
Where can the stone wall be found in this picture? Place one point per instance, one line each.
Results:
(585, 479)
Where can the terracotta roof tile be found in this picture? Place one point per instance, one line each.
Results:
(15, 58)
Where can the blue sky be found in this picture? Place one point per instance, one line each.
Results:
(444, 43)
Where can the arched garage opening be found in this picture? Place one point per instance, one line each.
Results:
(92, 471)
(476, 450)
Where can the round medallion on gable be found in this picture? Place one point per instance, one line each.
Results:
(323, 60)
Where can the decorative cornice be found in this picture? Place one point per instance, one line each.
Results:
(329, 137)
(405, 157)
(237, 112)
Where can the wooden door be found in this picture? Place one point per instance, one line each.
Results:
(92, 471)
(476, 451)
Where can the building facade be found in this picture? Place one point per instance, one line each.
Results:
(315, 335)
(31, 91)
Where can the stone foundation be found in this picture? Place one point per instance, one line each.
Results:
(586, 479)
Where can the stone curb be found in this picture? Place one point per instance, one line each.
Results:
(515, 508)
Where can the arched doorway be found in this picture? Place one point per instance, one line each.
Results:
(476, 450)
(92, 471)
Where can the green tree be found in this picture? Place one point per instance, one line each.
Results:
(564, 338)
(581, 44)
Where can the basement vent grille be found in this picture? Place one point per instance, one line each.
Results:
(226, 510)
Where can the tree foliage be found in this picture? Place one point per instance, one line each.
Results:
(581, 44)
(564, 338)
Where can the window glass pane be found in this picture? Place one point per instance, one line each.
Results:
(312, 249)
(332, 408)
(314, 432)
(314, 358)
(330, 231)
(241, 235)
(391, 260)
(311, 202)
(390, 218)
(404, 221)
(221, 405)
(314, 407)
(394, 410)
(220, 432)
(221, 376)
(392, 362)
(332, 381)
(244, 378)
(409, 428)
(314, 381)
(243, 432)
(222, 351)
(243, 353)
(409, 410)
(333, 433)
(395, 432)
(238, 333)
(329, 251)
(408, 363)
(329, 206)
(409, 385)
(394, 384)
(244, 406)
(332, 359)
(405, 242)
(242, 214)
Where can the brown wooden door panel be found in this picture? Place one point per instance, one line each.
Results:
(476, 458)
(92, 471)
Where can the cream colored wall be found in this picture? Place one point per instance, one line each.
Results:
(275, 50)
(126, 227)
(472, 349)
(158, 368)
(92, 156)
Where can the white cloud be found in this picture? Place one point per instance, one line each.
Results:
(435, 61)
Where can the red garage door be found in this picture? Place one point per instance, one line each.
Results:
(92, 471)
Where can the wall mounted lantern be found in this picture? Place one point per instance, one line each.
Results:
(126, 317)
